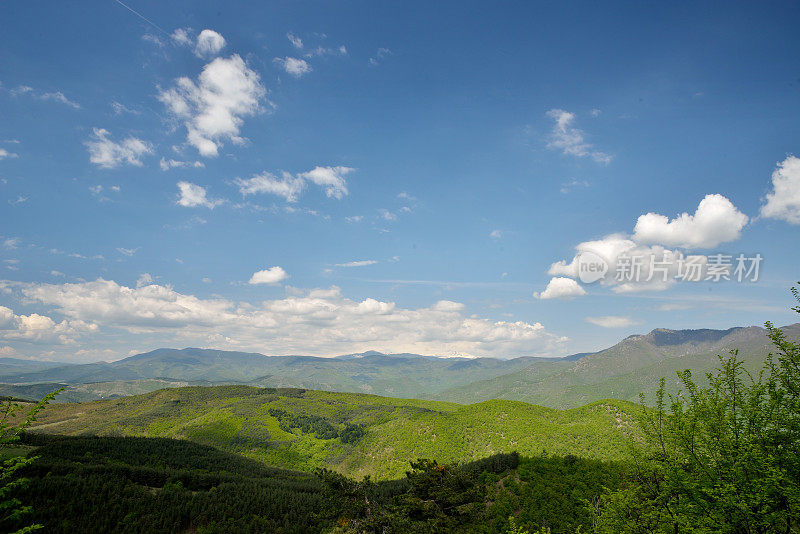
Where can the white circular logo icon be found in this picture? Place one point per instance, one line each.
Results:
(591, 267)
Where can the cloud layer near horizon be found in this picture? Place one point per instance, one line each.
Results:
(316, 322)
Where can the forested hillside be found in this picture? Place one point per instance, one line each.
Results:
(354, 433)
(90, 484)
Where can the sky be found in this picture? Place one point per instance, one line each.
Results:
(323, 178)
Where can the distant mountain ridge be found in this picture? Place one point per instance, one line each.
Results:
(398, 375)
(632, 366)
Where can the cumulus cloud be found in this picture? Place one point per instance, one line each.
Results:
(273, 275)
(783, 202)
(611, 321)
(650, 259)
(294, 66)
(287, 186)
(633, 267)
(561, 288)
(570, 140)
(496, 234)
(108, 154)
(331, 179)
(319, 322)
(6, 154)
(192, 196)
(35, 328)
(213, 107)
(715, 221)
(209, 44)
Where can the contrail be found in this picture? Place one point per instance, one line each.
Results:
(150, 22)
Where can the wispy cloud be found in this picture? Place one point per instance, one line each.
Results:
(570, 140)
(612, 321)
(360, 263)
(379, 56)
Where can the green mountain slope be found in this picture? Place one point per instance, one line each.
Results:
(633, 366)
(307, 429)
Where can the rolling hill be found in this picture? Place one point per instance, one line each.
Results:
(354, 433)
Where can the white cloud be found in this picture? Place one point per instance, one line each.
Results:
(323, 51)
(611, 321)
(561, 288)
(213, 108)
(319, 322)
(379, 56)
(209, 44)
(193, 196)
(294, 66)
(570, 140)
(289, 187)
(448, 306)
(35, 328)
(182, 36)
(387, 215)
(354, 218)
(54, 96)
(648, 259)
(145, 279)
(496, 234)
(331, 179)
(6, 154)
(618, 250)
(273, 275)
(295, 40)
(715, 221)
(167, 164)
(360, 263)
(107, 154)
(120, 108)
(58, 96)
(783, 202)
(566, 187)
(126, 251)
(21, 90)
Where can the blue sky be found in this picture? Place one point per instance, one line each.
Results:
(324, 178)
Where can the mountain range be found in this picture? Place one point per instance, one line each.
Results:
(623, 371)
